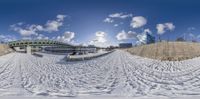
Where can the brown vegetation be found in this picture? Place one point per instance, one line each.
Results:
(171, 51)
(4, 49)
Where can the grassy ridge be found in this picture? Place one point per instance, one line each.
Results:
(4, 49)
(171, 51)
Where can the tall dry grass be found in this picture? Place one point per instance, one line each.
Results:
(4, 49)
(171, 51)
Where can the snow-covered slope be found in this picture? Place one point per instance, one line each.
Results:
(116, 74)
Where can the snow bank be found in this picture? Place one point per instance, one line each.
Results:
(86, 56)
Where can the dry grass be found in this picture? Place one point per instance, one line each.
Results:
(4, 49)
(171, 51)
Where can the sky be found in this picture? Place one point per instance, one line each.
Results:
(99, 22)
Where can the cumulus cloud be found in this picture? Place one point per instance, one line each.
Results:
(138, 21)
(99, 40)
(162, 28)
(7, 38)
(52, 26)
(27, 31)
(24, 32)
(66, 37)
(100, 37)
(124, 36)
(34, 29)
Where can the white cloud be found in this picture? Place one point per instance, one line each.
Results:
(115, 15)
(99, 40)
(66, 37)
(60, 17)
(108, 20)
(170, 26)
(52, 26)
(27, 31)
(111, 17)
(162, 28)
(138, 21)
(124, 36)
(69, 35)
(100, 34)
(147, 31)
(26, 38)
(30, 30)
(39, 27)
(100, 37)
(7, 38)
(24, 32)
(41, 36)
(120, 15)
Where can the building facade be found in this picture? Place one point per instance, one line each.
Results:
(125, 45)
(150, 39)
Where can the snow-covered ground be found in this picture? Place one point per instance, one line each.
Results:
(87, 56)
(118, 74)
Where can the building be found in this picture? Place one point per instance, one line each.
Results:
(125, 45)
(150, 38)
(145, 38)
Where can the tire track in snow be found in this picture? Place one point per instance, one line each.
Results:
(117, 73)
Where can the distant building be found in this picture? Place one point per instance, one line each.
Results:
(181, 39)
(145, 38)
(150, 38)
(125, 45)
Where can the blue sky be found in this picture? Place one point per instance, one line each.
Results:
(83, 21)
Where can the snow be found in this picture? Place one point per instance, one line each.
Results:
(86, 56)
(118, 74)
